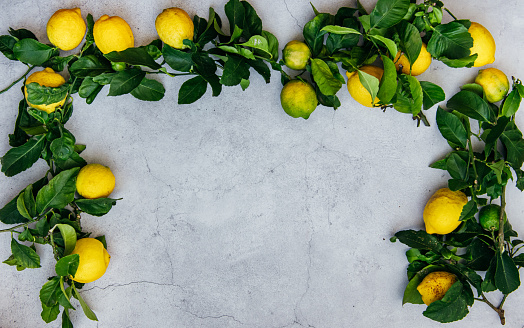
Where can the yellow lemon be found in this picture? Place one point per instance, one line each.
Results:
(420, 65)
(494, 83)
(296, 55)
(94, 260)
(46, 78)
(173, 26)
(435, 285)
(357, 90)
(66, 28)
(442, 211)
(112, 34)
(483, 45)
(95, 181)
(298, 99)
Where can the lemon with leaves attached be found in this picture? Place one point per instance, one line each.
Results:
(483, 45)
(494, 83)
(112, 34)
(296, 55)
(489, 217)
(357, 90)
(442, 211)
(66, 28)
(173, 26)
(420, 65)
(94, 260)
(435, 285)
(298, 99)
(95, 181)
(46, 78)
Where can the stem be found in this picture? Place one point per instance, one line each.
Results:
(501, 219)
(499, 309)
(21, 77)
(16, 227)
(449, 12)
(170, 74)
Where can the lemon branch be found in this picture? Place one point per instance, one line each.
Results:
(501, 219)
(18, 80)
(498, 309)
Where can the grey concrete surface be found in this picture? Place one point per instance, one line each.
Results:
(236, 215)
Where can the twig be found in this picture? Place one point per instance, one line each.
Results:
(21, 77)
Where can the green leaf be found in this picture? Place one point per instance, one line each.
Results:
(451, 128)
(21, 158)
(50, 314)
(235, 69)
(26, 203)
(451, 40)
(339, 30)
(519, 260)
(235, 13)
(261, 68)
(87, 311)
(59, 192)
(452, 307)
(496, 131)
(32, 52)
(96, 207)
(469, 210)
(471, 105)
(479, 255)
(66, 321)
(50, 292)
(388, 13)
(7, 44)
(252, 23)
(460, 62)
(89, 66)
(178, 60)
(327, 83)
(24, 256)
(370, 83)
(272, 45)
(125, 81)
(337, 41)
(456, 166)
(69, 237)
(507, 277)
(511, 103)
(388, 83)
(390, 44)
(104, 78)
(204, 65)
(89, 88)
(9, 213)
(409, 95)
(432, 94)
(192, 90)
(244, 84)
(149, 90)
(419, 239)
(313, 34)
(204, 31)
(67, 265)
(411, 294)
(133, 56)
(62, 148)
(410, 41)
(512, 140)
(102, 239)
(257, 42)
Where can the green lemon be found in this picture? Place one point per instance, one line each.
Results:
(296, 55)
(489, 217)
(298, 99)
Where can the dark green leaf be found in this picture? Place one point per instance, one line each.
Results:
(313, 34)
(67, 265)
(102, 239)
(432, 94)
(192, 90)
(178, 60)
(519, 260)
(22, 34)
(440, 164)
(511, 103)
(261, 68)
(96, 207)
(69, 237)
(370, 83)
(451, 40)
(456, 166)
(90, 66)
(388, 83)
(411, 294)
(59, 192)
(235, 70)
(73, 161)
(62, 148)
(479, 255)
(149, 90)
(452, 307)
(471, 105)
(410, 41)
(388, 13)
(58, 63)
(204, 65)
(495, 132)
(388, 43)
(32, 52)
(512, 140)
(19, 136)
(409, 95)
(272, 44)
(66, 321)
(469, 210)
(7, 44)
(21, 158)
(252, 23)
(327, 83)
(50, 314)
(329, 101)
(133, 56)
(235, 13)
(50, 292)
(24, 256)
(507, 277)
(26, 203)
(419, 239)
(214, 81)
(125, 81)
(451, 128)
(87, 311)
(9, 213)
(460, 62)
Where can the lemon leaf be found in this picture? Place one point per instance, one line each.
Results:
(32, 52)
(507, 277)
(235, 69)
(369, 82)
(419, 239)
(409, 95)
(25, 256)
(9, 214)
(323, 76)
(50, 314)
(21, 158)
(272, 43)
(178, 60)
(125, 81)
(452, 307)
(67, 265)
(511, 103)
(149, 90)
(388, 83)
(96, 207)
(451, 128)
(313, 34)
(460, 62)
(512, 140)
(59, 192)
(410, 41)
(471, 105)
(133, 56)
(7, 43)
(89, 66)
(451, 40)
(340, 30)
(388, 13)
(235, 13)
(69, 236)
(87, 311)
(192, 90)
(252, 23)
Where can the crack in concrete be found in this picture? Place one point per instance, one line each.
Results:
(290, 14)
(134, 283)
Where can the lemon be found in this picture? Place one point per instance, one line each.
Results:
(357, 90)
(46, 78)
(173, 26)
(442, 211)
(420, 65)
(489, 217)
(296, 55)
(66, 28)
(112, 34)
(94, 260)
(494, 83)
(298, 99)
(95, 181)
(483, 45)
(435, 285)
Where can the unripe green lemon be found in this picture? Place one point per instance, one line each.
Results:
(296, 55)
(298, 99)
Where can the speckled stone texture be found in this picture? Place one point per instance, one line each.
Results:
(235, 215)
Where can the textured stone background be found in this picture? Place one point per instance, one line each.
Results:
(234, 214)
